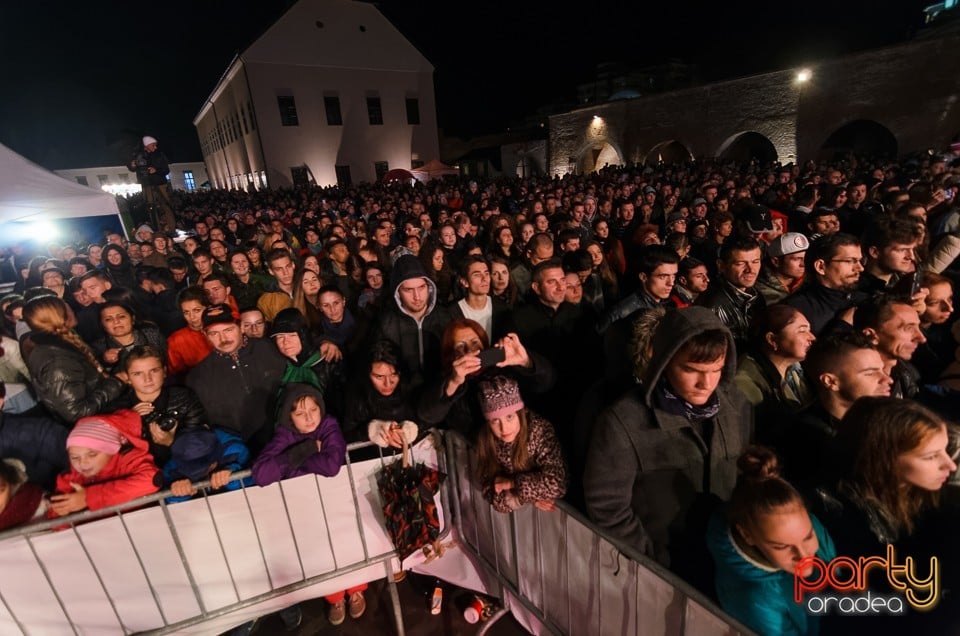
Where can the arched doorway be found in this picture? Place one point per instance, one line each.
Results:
(747, 146)
(594, 159)
(670, 151)
(527, 166)
(862, 137)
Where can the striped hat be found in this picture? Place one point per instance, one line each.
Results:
(96, 434)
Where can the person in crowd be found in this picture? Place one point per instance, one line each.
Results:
(890, 245)
(936, 354)
(306, 288)
(477, 305)
(188, 346)
(370, 298)
(758, 544)
(658, 266)
(151, 168)
(308, 441)
(307, 363)
(894, 327)
(217, 288)
(200, 454)
(283, 269)
(247, 285)
(379, 404)
(519, 460)
(769, 373)
(692, 280)
(833, 268)
(538, 249)
(660, 452)
(734, 297)
(35, 440)
(438, 268)
(118, 267)
(238, 382)
(123, 332)
(109, 465)
(21, 501)
(66, 375)
(783, 272)
(252, 323)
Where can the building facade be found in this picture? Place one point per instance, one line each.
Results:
(186, 176)
(331, 93)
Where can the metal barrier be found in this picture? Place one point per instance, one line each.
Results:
(568, 575)
(204, 564)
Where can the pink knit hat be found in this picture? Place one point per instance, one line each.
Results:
(499, 396)
(96, 434)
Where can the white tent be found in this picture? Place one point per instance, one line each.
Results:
(31, 193)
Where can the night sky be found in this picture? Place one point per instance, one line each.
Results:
(81, 82)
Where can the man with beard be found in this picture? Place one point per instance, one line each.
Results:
(833, 267)
(734, 297)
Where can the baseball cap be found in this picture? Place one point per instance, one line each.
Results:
(757, 218)
(217, 314)
(789, 243)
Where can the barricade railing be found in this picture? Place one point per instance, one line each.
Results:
(569, 575)
(213, 561)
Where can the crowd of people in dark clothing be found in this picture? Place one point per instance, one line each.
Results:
(730, 368)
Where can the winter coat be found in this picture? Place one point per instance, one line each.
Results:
(66, 383)
(239, 391)
(186, 349)
(129, 474)
(756, 594)
(820, 304)
(736, 309)
(771, 396)
(234, 456)
(144, 334)
(291, 453)
(647, 469)
(177, 401)
(546, 479)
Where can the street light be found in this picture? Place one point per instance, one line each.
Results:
(804, 75)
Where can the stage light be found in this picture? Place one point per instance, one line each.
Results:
(804, 75)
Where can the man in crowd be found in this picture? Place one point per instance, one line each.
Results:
(477, 304)
(893, 325)
(891, 253)
(832, 268)
(784, 270)
(658, 272)
(692, 280)
(734, 296)
(152, 169)
(283, 269)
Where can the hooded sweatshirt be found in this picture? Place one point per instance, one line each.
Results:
(292, 453)
(756, 594)
(648, 469)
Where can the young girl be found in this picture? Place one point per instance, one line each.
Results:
(307, 441)
(519, 458)
(109, 465)
(757, 545)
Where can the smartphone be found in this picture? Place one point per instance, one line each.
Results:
(490, 357)
(908, 286)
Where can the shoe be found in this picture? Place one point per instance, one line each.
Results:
(291, 617)
(338, 612)
(358, 605)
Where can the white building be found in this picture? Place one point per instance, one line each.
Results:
(187, 176)
(331, 93)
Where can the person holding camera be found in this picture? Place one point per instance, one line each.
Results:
(164, 410)
(152, 169)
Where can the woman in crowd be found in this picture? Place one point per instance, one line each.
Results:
(373, 286)
(67, 377)
(434, 260)
(247, 285)
(109, 465)
(122, 332)
(519, 460)
(310, 262)
(769, 374)
(756, 547)
(119, 269)
(933, 356)
(502, 286)
(504, 245)
(608, 279)
(306, 285)
(452, 400)
(378, 401)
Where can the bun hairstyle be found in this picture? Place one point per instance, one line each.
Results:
(760, 489)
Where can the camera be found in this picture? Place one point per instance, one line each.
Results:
(166, 421)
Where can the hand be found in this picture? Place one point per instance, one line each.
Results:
(160, 436)
(546, 505)
(917, 301)
(182, 488)
(220, 479)
(65, 503)
(151, 170)
(143, 408)
(462, 367)
(502, 484)
(394, 435)
(110, 356)
(330, 351)
(516, 354)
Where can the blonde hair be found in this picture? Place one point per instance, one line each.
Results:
(50, 315)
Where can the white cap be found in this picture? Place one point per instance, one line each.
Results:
(148, 140)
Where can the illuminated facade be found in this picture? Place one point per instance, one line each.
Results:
(186, 176)
(331, 93)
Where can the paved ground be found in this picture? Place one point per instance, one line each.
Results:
(379, 616)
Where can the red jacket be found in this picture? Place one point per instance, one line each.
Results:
(186, 348)
(129, 474)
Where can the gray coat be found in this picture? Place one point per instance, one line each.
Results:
(647, 469)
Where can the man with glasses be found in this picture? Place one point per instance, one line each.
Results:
(833, 267)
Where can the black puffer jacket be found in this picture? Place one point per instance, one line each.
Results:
(65, 381)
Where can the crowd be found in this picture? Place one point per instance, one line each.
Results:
(729, 367)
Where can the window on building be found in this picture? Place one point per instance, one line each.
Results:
(243, 118)
(82, 180)
(374, 112)
(343, 176)
(381, 168)
(413, 111)
(288, 110)
(104, 179)
(331, 104)
(188, 180)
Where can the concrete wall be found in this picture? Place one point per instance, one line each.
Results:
(535, 153)
(911, 89)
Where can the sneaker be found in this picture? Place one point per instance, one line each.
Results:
(358, 605)
(292, 617)
(338, 612)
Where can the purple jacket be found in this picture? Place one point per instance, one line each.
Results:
(292, 454)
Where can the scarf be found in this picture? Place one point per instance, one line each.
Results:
(666, 400)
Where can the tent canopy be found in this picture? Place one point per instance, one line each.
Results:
(434, 169)
(29, 192)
